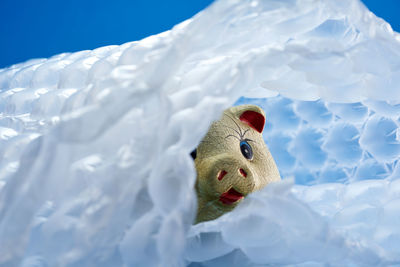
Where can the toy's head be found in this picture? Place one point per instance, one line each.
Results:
(232, 161)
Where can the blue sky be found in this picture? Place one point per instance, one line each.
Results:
(42, 28)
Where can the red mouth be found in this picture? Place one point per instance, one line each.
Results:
(230, 197)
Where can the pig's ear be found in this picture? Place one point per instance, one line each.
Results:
(251, 115)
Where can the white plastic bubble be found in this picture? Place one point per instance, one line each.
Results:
(94, 145)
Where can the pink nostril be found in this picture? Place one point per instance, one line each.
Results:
(243, 173)
(221, 174)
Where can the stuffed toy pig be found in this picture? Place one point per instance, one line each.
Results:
(232, 161)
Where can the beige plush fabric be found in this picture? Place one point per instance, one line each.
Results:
(227, 171)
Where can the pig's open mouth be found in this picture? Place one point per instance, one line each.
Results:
(230, 197)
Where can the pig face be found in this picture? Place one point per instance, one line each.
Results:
(232, 161)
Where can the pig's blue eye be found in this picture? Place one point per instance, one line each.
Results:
(246, 150)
